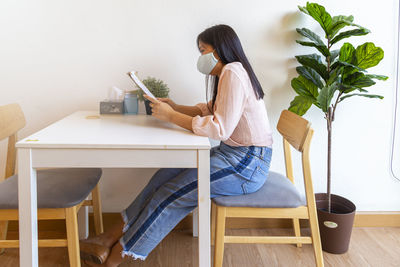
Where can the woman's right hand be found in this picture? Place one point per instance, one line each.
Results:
(168, 101)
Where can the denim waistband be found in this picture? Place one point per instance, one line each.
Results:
(262, 152)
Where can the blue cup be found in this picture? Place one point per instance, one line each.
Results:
(131, 103)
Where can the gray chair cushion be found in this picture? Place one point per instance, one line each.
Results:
(277, 192)
(56, 188)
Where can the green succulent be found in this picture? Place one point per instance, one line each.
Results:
(157, 87)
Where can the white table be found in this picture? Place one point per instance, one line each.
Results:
(110, 141)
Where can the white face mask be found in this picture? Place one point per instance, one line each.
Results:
(206, 63)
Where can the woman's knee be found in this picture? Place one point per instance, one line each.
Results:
(164, 175)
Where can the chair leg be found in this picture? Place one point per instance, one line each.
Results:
(3, 233)
(213, 222)
(219, 236)
(296, 227)
(316, 240)
(72, 236)
(97, 213)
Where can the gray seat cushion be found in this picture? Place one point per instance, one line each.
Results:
(56, 188)
(277, 192)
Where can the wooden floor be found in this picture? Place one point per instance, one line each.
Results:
(373, 247)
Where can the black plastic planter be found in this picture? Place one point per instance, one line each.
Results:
(335, 227)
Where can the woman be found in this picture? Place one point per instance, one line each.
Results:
(236, 115)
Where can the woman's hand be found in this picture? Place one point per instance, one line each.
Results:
(160, 109)
(168, 101)
(165, 112)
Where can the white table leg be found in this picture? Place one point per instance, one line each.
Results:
(203, 158)
(27, 200)
(195, 222)
(83, 222)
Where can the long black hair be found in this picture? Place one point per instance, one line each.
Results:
(227, 44)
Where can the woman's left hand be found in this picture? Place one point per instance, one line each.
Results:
(160, 110)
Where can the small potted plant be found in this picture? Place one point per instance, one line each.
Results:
(326, 79)
(157, 87)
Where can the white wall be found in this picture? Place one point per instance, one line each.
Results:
(57, 57)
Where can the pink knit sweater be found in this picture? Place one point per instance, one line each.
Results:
(238, 118)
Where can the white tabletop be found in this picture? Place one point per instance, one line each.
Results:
(88, 129)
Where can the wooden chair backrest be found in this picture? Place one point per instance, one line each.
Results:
(12, 120)
(294, 129)
(296, 132)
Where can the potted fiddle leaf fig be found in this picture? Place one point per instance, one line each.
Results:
(336, 73)
(157, 87)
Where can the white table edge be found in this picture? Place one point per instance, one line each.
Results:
(22, 144)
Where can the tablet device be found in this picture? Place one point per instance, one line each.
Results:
(139, 83)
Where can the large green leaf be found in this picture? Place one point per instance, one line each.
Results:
(304, 87)
(325, 96)
(334, 54)
(315, 41)
(364, 95)
(353, 77)
(303, 9)
(347, 59)
(310, 35)
(368, 55)
(321, 48)
(350, 65)
(300, 105)
(347, 34)
(378, 77)
(346, 53)
(358, 80)
(334, 75)
(349, 88)
(363, 82)
(335, 65)
(339, 22)
(314, 61)
(311, 75)
(319, 13)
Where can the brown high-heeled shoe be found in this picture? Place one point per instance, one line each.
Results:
(93, 252)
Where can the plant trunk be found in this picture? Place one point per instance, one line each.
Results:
(329, 126)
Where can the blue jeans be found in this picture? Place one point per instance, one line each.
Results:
(171, 194)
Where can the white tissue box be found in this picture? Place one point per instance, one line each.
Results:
(112, 107)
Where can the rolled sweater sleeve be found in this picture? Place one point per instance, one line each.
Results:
(205, 108)
(229, 106)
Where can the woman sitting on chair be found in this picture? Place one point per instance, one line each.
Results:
(236, 115)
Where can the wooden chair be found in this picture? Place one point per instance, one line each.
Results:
(278, 198)
(61, 192)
